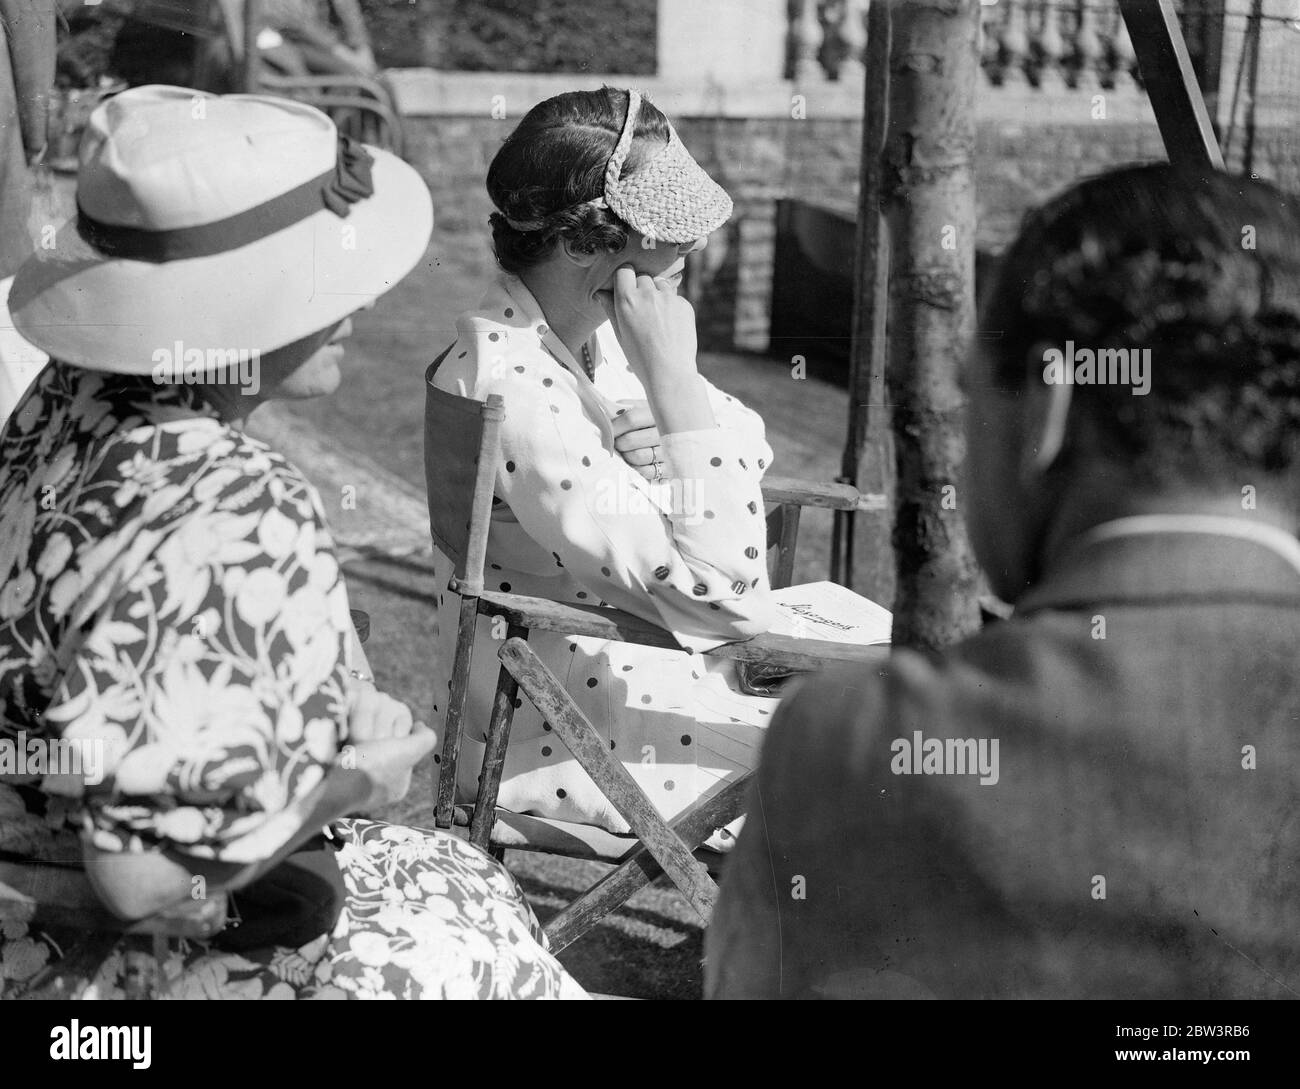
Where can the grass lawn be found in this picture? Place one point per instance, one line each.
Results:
(653, 947)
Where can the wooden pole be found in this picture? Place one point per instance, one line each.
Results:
(930, 210)
(250, 62)
(1212, 59)
(1171, 83)
(871, 288)
(1255, 33)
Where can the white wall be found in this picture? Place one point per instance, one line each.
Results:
(731, 42)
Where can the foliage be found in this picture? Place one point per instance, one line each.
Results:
(615, 36)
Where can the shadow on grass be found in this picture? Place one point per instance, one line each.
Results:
(356, 574)
(652, 947)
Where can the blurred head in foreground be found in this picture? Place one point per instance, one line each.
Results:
(1140, 353)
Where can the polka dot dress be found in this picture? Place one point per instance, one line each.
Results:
(576, 523)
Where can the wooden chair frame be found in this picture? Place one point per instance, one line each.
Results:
(461, 484)
(336, 94)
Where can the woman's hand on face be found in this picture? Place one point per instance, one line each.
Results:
(654, 325)
(636, 438)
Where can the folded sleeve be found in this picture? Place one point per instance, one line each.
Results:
(688, 553)
(742, 426)
(208, 693)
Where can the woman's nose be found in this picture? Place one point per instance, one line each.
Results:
(693, 247)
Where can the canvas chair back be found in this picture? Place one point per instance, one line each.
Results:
(461, 445)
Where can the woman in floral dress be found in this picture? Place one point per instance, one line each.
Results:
(171, 604)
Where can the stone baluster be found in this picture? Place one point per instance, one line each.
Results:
(805, 43)
(1089, 56)
(853, 33)
(1013, 44)
(990, 19)
(1051, 47)
(1123, 57)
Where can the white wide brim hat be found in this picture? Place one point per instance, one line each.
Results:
(202, 221)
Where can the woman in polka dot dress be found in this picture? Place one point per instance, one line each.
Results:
(626, 479)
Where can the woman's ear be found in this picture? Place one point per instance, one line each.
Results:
(1047, 412)
(583, 260)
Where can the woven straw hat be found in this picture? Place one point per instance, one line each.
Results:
(670, 198)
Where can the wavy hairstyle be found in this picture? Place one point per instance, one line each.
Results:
(1201, 268)
(552, 163)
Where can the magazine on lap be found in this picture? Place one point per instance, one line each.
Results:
(825, 610)
(816, 610)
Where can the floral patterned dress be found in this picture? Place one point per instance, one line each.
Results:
(170, 601)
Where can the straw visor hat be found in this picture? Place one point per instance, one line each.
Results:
(670, 198)
(221, 222)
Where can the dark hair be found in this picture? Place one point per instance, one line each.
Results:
(554, 161)
(1203, 268)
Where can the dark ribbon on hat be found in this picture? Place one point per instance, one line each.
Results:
(348, 181)
(352, 181)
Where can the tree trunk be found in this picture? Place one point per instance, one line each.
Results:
(863, 556)
(930, 210)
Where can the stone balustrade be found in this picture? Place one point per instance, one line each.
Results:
(1044, 44)
(768, 94)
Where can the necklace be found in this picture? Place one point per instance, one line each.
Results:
(588, 366)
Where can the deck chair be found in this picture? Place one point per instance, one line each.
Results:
(361, 106)
(61, 893)
(461, 452)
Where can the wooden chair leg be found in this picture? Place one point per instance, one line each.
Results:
(454, 723)
(494, 755)
(613, 779)
(161, 947)
(640, 868)
(785, 548)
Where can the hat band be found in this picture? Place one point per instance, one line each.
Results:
(613, 167)
(336, 190)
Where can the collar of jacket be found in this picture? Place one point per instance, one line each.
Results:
(1154, 567)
